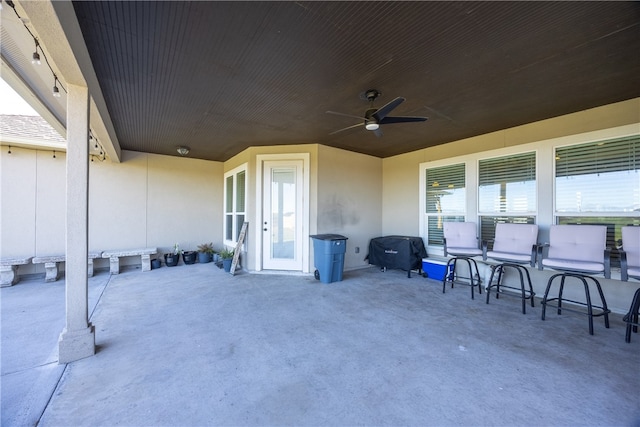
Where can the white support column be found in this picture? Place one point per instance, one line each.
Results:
(77, 340)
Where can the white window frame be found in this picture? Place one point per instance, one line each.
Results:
(234, 213)
(427, 215)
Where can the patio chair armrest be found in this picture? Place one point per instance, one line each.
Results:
(624, 274)
(607, 263)
(534, 255)
(485, 246)
(539, 256)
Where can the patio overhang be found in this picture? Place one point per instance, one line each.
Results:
(65, 56)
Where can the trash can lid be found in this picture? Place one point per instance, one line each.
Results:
(328, 237)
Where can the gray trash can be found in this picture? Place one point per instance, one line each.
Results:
(329, 250)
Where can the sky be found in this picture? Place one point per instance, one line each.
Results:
(12, 103)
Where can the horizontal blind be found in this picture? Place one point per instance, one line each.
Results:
(518, 168)
(601, 176)
(507, 184)
(445, 189)
(614, 155)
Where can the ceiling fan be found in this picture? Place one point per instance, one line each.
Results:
(375, 117)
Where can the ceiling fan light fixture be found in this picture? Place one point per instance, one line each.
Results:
(183, 151)
(372, 126)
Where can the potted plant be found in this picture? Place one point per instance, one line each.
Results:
(171, 259)
(189, 257)
(227, 256)
(205, 252)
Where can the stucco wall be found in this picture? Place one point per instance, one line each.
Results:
(349, 199)
(153, 200)
(146, 200)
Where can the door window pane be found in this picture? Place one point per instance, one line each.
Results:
(283, 213)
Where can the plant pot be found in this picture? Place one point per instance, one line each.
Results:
(204, 257)
(226, 263)
(155, 264)
(216, 258)
(189, 257)
(171, 260)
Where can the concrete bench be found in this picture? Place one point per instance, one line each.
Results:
(52, 272)
(114, 258)
(9, 270)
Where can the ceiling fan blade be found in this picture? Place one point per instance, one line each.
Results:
(347, 128)
(345, 115)
(378, 132)
(386, 109)
(402, 119)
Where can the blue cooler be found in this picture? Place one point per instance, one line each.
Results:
(434, 269)
(329, 250)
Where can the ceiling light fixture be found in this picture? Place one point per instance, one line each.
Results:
(372, 126)
(35, 59)
(183, 151)
(56, 91)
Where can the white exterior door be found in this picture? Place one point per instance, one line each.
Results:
(282, 217)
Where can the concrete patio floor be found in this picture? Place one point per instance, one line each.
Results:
(194, 346)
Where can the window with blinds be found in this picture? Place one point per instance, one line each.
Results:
(599, 183)
(445, 199)
(506, 192)
(507, 185)
(235, 202)
(598, 177)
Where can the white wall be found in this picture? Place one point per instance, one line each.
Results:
(146, 200)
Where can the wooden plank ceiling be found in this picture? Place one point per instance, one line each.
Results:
(222, 76)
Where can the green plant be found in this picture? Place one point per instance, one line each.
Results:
(226, 253)
(176, 249)
(206, 248)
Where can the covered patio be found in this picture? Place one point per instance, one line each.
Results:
(192, 345)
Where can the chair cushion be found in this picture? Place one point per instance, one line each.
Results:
(582, 243)
(510, 256)
(464, 251)
(634, 272)
(631, 245)
(515, 239)
(573, 265)
(460, 235)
